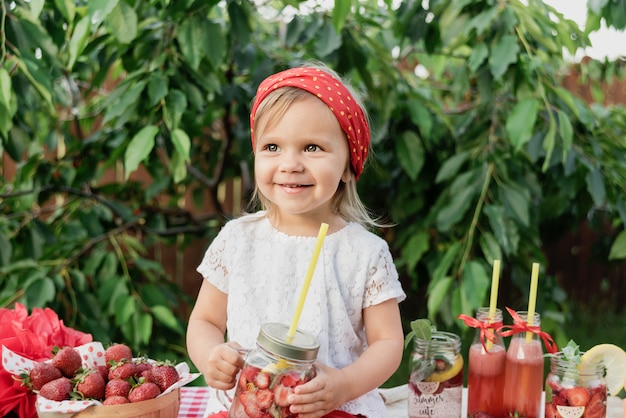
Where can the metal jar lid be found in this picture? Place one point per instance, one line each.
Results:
(273, 338)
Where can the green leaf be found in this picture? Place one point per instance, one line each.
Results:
(443, 265)
(504, 230)
(166, 317)
(451, 166)
(567, 133)
(175, 107)
(618, 248)
(216, 45)
(410, 153)
(421, 329)
(549, 143)
(457, 207)
(420, 117)
(124, 309)
(239, 23)
(36, 6)
(191, 37)
(77, 41)
(413, 250)
(67, 9)
(475, 284)
(98, 10)
(182, 143)
(5, 88)
(437, 293)
(517, 201)
(139, 148)
(144, 327)
(479, 54)
(341, 10)
(40, 291)
(327, 41)
(490, 247)
(503, 54)
(178, 167)
(122, 22)
(157, 88)
(595, 186)
(521, 122)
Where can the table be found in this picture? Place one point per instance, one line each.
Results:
(193, 402)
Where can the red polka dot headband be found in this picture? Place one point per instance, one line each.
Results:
(332, 92)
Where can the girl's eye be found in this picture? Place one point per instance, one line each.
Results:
(271, 147)
(311, 148)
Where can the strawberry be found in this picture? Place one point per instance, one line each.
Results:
(262, 380)
(551, 411)
(291, 379)
(122, 370)
(40, 374)
(143, 367)
(68, 361)
(440, 365)
(250, 406)
(57, 389)
(90, 384)
(104, 371)
(115, 400)
(117, 353)
(281, 392)
(164, 375)
(577, 396)
(596, 407)
(143, 392)
(264, 398)
(117, 387)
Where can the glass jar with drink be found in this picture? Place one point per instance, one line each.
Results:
(486, 366)
(271, 371)
(575, 388)
(436, 377)
(523, 381)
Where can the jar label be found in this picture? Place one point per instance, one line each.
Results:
(435, 401)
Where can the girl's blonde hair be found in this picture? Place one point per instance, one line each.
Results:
(346, 201)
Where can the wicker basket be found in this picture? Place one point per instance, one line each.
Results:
(165, 406)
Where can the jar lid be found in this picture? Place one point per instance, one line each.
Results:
(273, 338)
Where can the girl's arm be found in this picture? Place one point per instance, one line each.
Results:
(218, 361)
(334, 387)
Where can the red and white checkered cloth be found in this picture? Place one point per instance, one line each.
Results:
(193, 401)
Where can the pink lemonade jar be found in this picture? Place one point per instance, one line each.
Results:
(436, 377)
(486, 368)
(271, 371)
(575, 389)
(524, 376)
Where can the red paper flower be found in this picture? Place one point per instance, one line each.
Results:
(32, 336)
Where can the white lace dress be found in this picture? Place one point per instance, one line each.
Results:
(262, 270)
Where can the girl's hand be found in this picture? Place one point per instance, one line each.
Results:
(222, 366)
(321, 395)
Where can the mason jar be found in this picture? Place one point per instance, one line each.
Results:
(272, 370)
(436, 377)
(573, 388)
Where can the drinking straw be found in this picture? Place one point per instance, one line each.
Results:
(307, 282)
(495, 281)
(532, 299)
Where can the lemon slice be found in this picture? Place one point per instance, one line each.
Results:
(614, 359)
(446, 374)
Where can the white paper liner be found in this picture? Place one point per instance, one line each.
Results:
(93, 356)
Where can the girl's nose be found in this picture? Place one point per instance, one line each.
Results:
(291, 162)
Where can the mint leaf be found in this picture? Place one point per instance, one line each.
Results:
(421, 329)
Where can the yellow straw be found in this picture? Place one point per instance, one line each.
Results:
(495, 281)
(532, 299)
(307, 282)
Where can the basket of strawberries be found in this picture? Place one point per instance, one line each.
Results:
(90, 381)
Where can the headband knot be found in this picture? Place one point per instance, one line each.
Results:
(337, 97)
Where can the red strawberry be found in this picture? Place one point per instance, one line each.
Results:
(164, 375)
(41, 374)
(551, 411)
(123, 370)
(57, 389)
(117, 353)
(291, 379)
(281, 393)
(115, 400)
(104, 371)
(249, 402)
(596, 407)
(68, 361)
(143, 368)
(143, 392)
(264, 398)
(262, 380)
(117, 387)
(577, 396)
(90, 384)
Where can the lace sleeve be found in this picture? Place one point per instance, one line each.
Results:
(382, 280)
(214, 264)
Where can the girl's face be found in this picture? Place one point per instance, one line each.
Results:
(300, 160)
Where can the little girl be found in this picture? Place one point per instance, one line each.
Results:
(310, 137)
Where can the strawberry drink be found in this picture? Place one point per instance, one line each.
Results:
(575, 389)
(523, 382)
(485, 380)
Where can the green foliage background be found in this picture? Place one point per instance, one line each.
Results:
(482, 154)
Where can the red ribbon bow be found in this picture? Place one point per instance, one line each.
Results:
(483, 326)
(522, 326)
